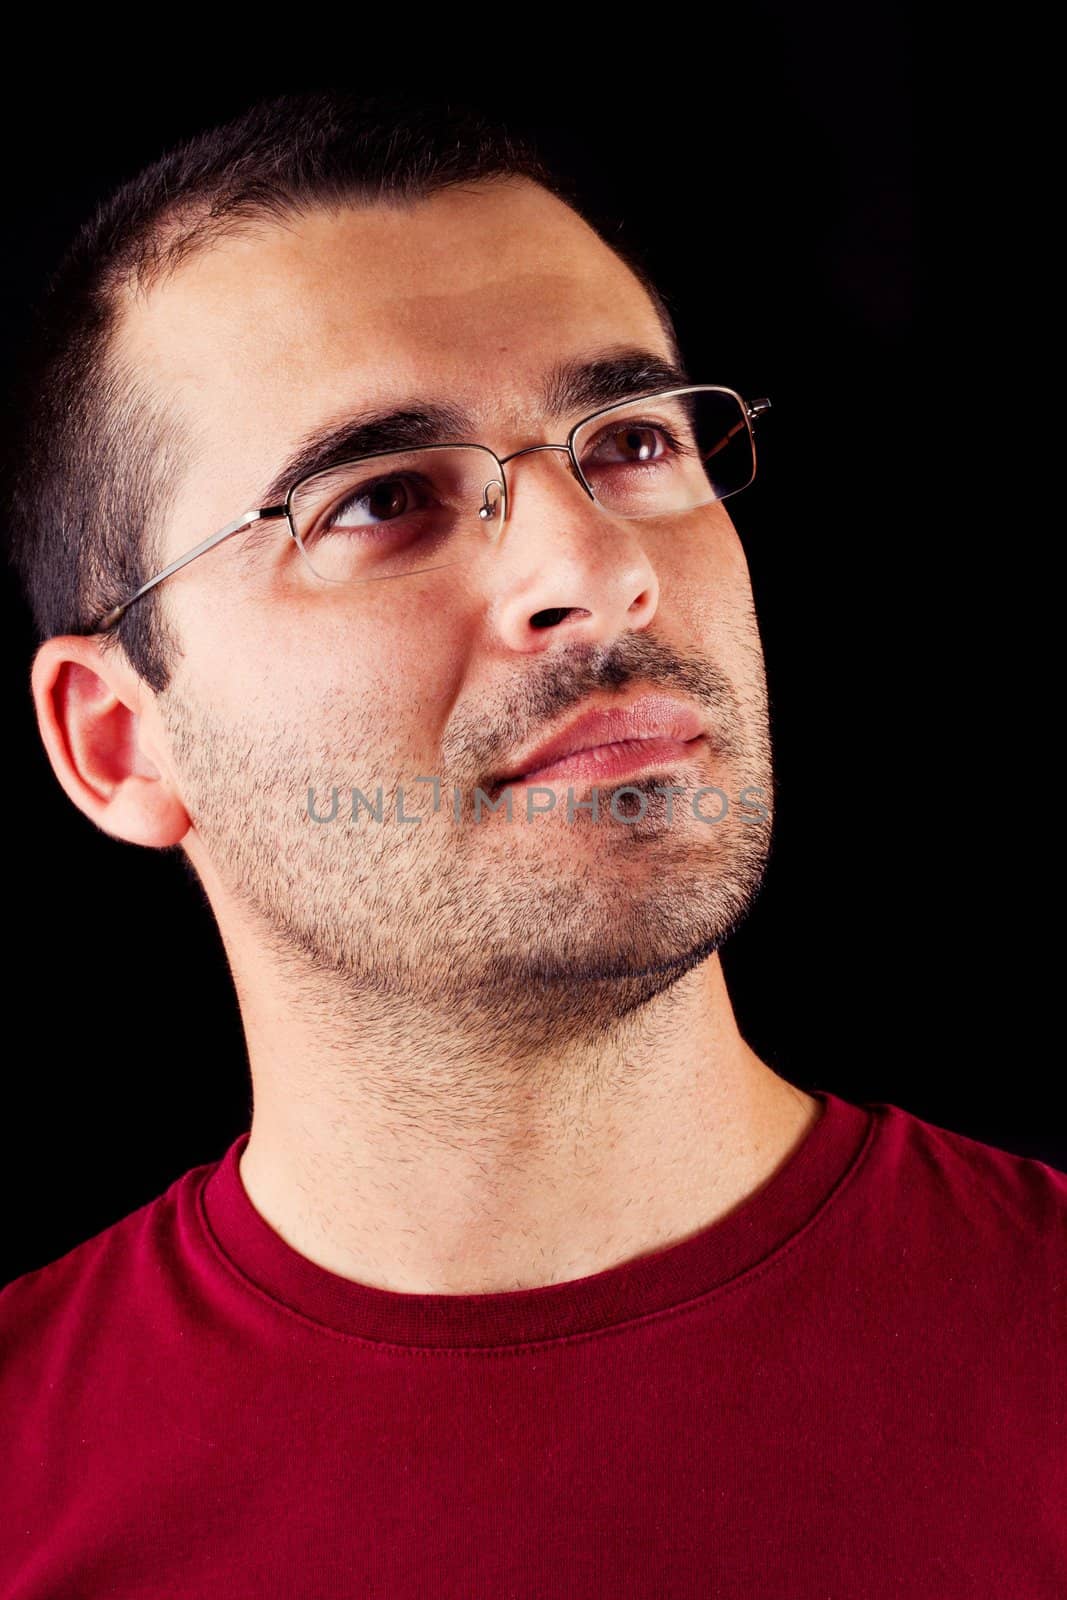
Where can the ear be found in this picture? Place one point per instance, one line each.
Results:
(94, 715)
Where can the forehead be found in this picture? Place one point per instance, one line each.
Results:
(468, 296)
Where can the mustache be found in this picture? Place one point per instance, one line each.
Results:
(565, 678)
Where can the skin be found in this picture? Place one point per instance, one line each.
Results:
(486, 1056)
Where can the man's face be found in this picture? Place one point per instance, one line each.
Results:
(287, 684)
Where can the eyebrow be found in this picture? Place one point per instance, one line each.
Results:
(579, 384)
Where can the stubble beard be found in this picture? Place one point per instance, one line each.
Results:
(544, 928)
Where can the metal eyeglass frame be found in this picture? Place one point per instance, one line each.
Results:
(486, 511)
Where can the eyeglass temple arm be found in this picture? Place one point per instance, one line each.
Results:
(754, 410)
(231, 528)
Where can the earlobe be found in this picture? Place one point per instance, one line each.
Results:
(90, 713)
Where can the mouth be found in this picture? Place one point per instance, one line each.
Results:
(610, 738)
(608, 761)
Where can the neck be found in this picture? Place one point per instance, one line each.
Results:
(419, 1149)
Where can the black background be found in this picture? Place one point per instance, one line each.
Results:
(764, 161)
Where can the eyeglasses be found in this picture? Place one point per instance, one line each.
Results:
(405, 511)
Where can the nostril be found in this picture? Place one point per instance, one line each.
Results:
(553, 614)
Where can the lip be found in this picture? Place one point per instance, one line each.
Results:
(607, 761)
(606, 741)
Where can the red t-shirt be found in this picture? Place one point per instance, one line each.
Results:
(851, 1387)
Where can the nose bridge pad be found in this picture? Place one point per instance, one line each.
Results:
(494, 502)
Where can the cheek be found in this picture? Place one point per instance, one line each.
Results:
(387, 669)
(707, 584)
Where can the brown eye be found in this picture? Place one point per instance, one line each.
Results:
(629, 445)
(383, 500)
(635, 443)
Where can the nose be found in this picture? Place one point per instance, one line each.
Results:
(562, 564)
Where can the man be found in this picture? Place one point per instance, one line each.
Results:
(529, 1278)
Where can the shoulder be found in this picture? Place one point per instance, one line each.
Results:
(976, 1179)
(98, 1280)
(960, 1199)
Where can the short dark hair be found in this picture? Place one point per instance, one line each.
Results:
(92, 458)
